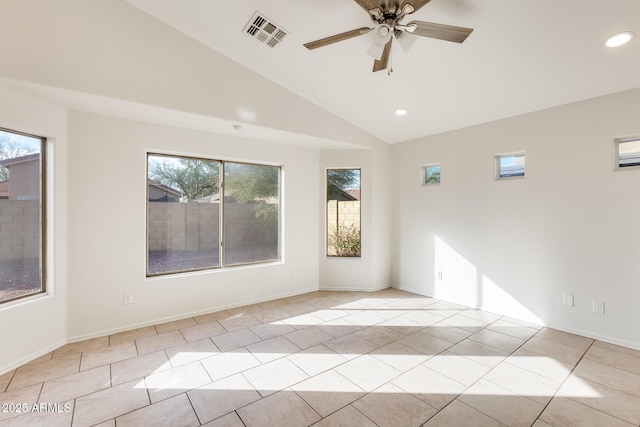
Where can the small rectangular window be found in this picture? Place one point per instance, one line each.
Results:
(510, 166)
(431, 174)
(22, 213)
(628, 152)
(343, 212)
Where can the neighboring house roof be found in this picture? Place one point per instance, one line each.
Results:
(354, 193)
(343, 196)
(166, 188)
(22, 159)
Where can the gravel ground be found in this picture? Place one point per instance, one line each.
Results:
(19, 277)
(163, 261)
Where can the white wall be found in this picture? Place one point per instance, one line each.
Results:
(372, 270)
(514, 247)
(107, 184)
(36, 325)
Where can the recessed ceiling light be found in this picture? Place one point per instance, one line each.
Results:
(619, 39)
(401, 112)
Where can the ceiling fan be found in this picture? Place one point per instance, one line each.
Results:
(386, 16)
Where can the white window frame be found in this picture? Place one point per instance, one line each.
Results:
(616, 155)
(497, 171)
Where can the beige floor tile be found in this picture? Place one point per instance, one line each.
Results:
(448, 333)
(429, 386)
(539, 423)
(512, 329)
(240, 321)
(227, 364)
(497, 340)
(221, 397)
(107, 355)
(617, 359)
(402, 325)
(80, 346)
(367, 372)
(308, 337)
(613, 402)
(58, 415)
(554, 350)
(502, 404)
(563, 412)
(175, 381)
(34, 373)
(108, 423)
(339, 327)
(565, 338)
(132, 335)
(211, 317)
(618, 348)
(110, 403)
(478, 352)
(200, 332)
(545, 366)
(139, 367)
(230, 420)
(328, 392)
(456, 367)
(25, 395)
(272, 349)
(346, 417)
(364, 318)
(282, 409)
(316, 359)
(607, 375)
(176, 411)
(297, 308)
(270, 315)
(159, 342)
(523, 382)
(190, 352)
(399, 356)
(351, 346)
(460, 415)
(274, 376)
(76, 385)
(175, 325)
(301, 321)
(45, 357)
(329, 314)
(425, 343)
(481, 315)
(5, 379)
(271, 304)
(464, 322)
(236, 339)
(269, 330)
(379, 335)
(322, 302)
(390, 406)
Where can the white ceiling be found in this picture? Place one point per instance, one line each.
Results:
(523, 56)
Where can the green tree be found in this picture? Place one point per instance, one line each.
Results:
(339, 180)
(251, 183)
(195, 178)
(10, 149)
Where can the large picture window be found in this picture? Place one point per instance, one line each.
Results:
(204, 214)
(343, 212)
(22, 213)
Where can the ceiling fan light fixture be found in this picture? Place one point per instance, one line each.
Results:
(376, 51)
(619, 39)
(406, 40)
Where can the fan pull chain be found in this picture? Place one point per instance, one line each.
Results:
(390, 69)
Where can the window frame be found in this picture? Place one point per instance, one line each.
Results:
(616, 154)
(43, 203)
(497, 171)
(423, 175)
(326, 211)
(221, 209)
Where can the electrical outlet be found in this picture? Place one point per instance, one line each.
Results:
(567, 299)
(439, 275)
(598, 307)
(127, 298)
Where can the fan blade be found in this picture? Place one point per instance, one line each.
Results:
(417, 4)
(368, 5)
(337, 38)
(440, 31)
(382, 64)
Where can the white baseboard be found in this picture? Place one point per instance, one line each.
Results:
(104, 332)
(28, 358)
(352, 289)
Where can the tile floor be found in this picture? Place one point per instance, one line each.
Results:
(388, 358)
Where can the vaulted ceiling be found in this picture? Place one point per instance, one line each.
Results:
(522, 56)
